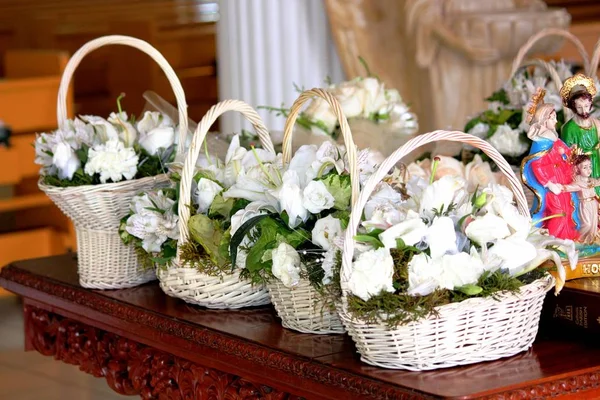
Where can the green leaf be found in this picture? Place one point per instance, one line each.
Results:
(373, 241)
(344, 217)
(221, 207)
(238, 204)
(239, 235)
(208, 234)
(82, 154)
(500, 95)
(340, 189)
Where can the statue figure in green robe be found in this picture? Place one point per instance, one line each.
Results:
(582, 130)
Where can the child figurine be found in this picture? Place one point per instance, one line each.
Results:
(586, 192)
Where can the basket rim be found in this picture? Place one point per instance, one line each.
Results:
(545, 282)
(102, 187)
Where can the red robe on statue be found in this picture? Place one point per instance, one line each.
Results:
(553, 167)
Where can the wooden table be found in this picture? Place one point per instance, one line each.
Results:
(148, 344)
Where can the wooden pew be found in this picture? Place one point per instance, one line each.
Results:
(30, 225)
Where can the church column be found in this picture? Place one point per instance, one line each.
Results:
(264, 47)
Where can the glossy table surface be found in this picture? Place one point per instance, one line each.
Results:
(252, 343)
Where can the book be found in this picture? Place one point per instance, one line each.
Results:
(574, 312)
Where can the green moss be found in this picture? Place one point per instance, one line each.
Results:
(194, 255)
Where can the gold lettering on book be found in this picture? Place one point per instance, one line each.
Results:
(581, 316)
(565, 312)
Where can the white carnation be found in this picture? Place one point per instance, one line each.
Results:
(372, 273)
(113, 161)
(286, 265)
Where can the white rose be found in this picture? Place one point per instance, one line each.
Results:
(350, 98)
(411, 231)
(157, 139)
(66, 161)
(325, 231)
(372, 273)
(480, 130)
(479, 173)
(286, 265)
(316, 197)
(127, 133)
(487, 228)
(374, 99)
(441, 237)
(420, 169)
(113, 161)
(459, 270)
(319, 110)
(449, 166)
(423, 274)
(205, 194)
(508, 141)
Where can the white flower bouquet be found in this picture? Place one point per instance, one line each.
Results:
(288, 236)
(92, 167)
(437, 274)
(361, 99)
(202, 271)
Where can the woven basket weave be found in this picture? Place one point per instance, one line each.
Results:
(478, 329)
(187, 283)
(104, 262)
(300, 307)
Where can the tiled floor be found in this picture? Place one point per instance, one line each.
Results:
(25, 376)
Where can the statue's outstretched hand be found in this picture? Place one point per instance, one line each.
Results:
(554, 188)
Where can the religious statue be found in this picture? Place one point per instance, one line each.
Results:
(585, 186)
(564, 173)
(546, 170)
(582, 130)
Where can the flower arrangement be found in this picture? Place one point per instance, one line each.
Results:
(152, 225)
(91, 150)
(504, 124)
(291, 229)
(360, 98)
(423, 244)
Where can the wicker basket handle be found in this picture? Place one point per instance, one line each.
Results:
(545, 33)
(388, 164)
(593, 69)
(185, 186)
(288, 132)
(61, 109)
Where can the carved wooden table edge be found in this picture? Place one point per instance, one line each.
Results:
(129, 366)
(354, 386)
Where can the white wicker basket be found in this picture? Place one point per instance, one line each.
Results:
(478, 329)
(188, 283)
(104, 262)
(301, 308)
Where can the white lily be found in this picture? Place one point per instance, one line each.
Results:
(441, 237)
(411, 231)
(487, 228)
